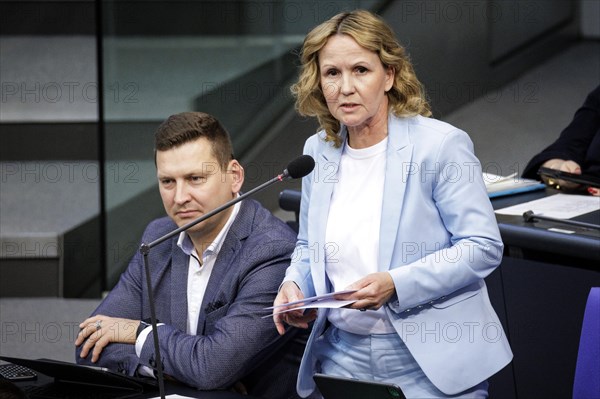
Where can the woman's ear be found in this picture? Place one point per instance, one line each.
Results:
(389, 78)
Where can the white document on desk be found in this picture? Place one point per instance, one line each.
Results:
(561, 206)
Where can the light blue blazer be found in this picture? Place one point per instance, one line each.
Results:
(438, 239)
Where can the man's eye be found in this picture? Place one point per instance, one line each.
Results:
(198, 179)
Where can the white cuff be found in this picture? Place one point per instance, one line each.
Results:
(139, 344)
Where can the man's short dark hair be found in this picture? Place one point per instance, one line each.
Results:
(185, 127)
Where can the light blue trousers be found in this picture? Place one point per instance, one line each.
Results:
(381, 357)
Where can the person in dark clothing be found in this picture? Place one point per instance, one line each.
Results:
(577, 150)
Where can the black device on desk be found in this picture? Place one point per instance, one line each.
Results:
(15, 372)
(73, 381)
(77, 381)
(333, 387)
(586, 180)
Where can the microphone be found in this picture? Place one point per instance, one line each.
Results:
(297, 168)
(530, 216)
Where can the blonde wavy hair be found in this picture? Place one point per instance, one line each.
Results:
(405, 98)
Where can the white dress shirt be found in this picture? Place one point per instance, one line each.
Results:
(352, 235)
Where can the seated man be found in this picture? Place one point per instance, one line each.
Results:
(210, 283)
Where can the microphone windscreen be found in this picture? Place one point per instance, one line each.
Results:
(300, 166)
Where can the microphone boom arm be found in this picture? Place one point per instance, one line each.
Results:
(530, 216)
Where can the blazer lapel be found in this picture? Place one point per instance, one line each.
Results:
(398, 167)
(239, 230)
(328, 164)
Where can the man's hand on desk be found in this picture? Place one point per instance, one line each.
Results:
(98, 331)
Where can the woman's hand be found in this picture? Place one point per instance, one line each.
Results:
(374, 290)
(290, 292)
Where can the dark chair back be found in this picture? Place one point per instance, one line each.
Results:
(289, 200)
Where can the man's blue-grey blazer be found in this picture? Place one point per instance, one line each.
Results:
(438, 240)
(233, 343)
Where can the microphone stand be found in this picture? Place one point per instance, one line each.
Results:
(145, 250)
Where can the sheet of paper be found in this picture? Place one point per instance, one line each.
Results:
(325, 303)
(317, 301)
(311, 299)
(561, 206)
(490, 178)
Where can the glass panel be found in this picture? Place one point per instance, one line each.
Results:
(50, 173)
(233, 59)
